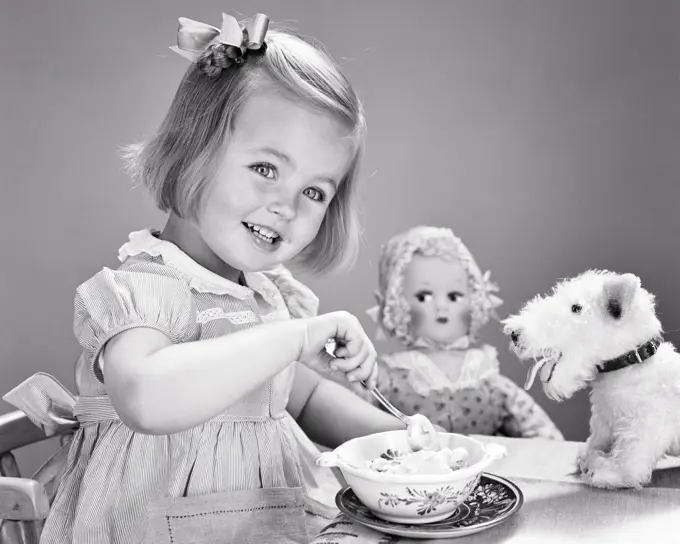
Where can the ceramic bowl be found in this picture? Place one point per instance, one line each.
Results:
(409, 498)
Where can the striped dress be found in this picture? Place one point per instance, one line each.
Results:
(119, 486)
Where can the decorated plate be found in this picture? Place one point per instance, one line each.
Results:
(492, 502)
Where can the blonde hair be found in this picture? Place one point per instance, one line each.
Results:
(177, 162)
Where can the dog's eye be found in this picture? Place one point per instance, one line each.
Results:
(576, 308)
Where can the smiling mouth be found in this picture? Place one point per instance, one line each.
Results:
(264, 234)
(442, 320)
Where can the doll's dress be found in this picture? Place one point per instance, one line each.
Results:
(480, 401)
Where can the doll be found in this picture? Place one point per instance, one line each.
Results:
(434, 299)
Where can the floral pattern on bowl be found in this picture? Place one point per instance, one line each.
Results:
(427, 501)
(390, 455)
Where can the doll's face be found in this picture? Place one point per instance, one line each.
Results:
(438, 293)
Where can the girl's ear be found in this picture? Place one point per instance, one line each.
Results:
(618, 294)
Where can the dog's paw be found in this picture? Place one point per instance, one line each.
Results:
(582, 460)
(601, 473)
(604, 473)
(605, 479)
(586, 459)
(582, 464)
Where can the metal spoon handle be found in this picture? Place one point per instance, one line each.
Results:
(388, 405)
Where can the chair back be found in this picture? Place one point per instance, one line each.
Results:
(25, 502)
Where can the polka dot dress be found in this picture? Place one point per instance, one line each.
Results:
(482, 401)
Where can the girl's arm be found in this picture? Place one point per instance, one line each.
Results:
(158, 387)
(304, 384)
(332, 414)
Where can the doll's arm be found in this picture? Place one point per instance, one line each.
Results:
(525, 417)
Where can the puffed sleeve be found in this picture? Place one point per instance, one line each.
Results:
(117, 300)
(524, 416)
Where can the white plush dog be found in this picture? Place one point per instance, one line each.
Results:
(600, 329)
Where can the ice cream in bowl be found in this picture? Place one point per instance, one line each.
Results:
(403, 482)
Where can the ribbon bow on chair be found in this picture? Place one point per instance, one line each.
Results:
(46, 402)
(195, 40)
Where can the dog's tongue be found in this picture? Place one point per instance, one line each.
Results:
(533, 372)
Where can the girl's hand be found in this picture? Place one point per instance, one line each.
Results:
(355, 354)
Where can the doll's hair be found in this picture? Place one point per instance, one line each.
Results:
(393, 308)
(177, 162)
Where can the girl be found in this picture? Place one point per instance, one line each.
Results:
(434, 299)
(186, 380)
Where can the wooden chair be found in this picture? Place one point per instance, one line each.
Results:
(25, 502)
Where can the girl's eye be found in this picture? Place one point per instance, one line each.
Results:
(314, 194)
(265, 169)
(424, 297)
(453, 297)
(576, 308)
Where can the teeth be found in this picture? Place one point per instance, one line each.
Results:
(263, 232)
(267, 232)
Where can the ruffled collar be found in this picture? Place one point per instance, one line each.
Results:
(200, 278)
(425, 376)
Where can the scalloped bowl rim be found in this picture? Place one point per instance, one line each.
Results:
(488, 456)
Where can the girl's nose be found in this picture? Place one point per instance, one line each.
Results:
(284, 207)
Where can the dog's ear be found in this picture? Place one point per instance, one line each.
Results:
(618, 294)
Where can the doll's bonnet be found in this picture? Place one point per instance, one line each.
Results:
(392, 314)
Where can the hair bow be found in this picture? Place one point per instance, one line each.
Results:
(195, 38)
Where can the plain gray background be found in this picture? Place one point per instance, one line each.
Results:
(544, 132)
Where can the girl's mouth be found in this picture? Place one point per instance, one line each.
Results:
(443, 320)
(264, 237)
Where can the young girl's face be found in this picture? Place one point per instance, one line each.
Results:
(438, 293)
(282, 167)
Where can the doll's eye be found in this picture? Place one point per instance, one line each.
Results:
(454, 296)
(424, 296)
(576, 308)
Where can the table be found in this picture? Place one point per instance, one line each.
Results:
(559, 509)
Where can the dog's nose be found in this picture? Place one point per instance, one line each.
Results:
(514, 335)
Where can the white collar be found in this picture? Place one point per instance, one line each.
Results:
(200, 278)
(422, 342)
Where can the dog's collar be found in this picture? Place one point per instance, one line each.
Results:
(642, 353)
